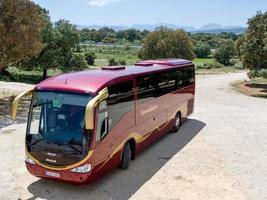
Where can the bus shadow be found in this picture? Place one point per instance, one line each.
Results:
(120, 184)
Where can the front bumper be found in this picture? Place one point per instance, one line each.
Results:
(59, 175)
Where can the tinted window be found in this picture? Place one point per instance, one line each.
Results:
(147, 88)
(189, 76)
(120, 101)
(161, 83)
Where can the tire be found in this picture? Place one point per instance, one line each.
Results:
(126, 157)
(177, 123)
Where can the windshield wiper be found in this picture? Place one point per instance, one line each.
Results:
(37, 141)
(71, 146)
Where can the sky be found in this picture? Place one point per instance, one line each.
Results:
(128, 12)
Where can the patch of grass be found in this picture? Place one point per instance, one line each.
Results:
(198, 61)
(104, 53)
(211, 66)
(102, 59)
(255, 87)
(32, 77)
(222, 70)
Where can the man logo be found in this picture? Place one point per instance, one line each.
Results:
(50, 160)
(51, 154)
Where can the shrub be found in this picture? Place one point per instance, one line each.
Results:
(239, 65)
(209, 65)
(90, 58)
(216, 64)
(202, 50)
(112, 62)
(77, 62)
(257, 73)
(122, 62)
(225, 52)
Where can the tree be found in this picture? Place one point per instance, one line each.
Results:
(225, 52)
(21, 26)
(238, 44)
(167, 43)
(202, 50)
(60, 40)
(90, 58)
(253, 47)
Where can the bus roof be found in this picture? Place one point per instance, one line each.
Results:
(91, 81)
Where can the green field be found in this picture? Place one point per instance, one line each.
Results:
(103, 54)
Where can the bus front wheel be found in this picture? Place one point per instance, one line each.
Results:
(126, 156)
(177, 123)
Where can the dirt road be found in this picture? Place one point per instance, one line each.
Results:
(219, 153)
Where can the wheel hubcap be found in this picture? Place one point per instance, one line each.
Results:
(177, 122)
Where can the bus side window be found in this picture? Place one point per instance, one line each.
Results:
(120, 102)
(179, 79)
(102, 122)
(188, 76)
(147, 88)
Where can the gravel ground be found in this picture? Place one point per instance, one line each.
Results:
(12, 88)
(219, 153)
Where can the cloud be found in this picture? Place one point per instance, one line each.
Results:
(101, 2)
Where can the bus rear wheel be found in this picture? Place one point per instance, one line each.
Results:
(126, 156)
(177, 123)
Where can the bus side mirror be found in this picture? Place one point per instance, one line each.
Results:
(90, 108)
(15, 103)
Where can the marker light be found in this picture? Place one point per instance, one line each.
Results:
(82, 169)
(29, 160)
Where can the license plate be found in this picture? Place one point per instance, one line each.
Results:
(53, 174)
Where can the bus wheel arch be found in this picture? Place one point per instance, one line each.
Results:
(128, 154)
(132, 144)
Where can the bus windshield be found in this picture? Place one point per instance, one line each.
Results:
(57, 118)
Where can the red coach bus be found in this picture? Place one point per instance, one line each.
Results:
(83, 124)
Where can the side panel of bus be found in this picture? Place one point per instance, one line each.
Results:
(160, 96)
(146, 111)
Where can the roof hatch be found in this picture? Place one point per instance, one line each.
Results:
(167, 62)
(112, 68)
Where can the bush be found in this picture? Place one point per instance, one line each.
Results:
(209, 65)
(77, 62)
(257, 73)
(225, 52)
(112, 62)
(202, 50)
(216, 64)
(122, 62)
(239, 65)
(90, 58)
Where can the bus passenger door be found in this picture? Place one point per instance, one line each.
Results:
(102, 139)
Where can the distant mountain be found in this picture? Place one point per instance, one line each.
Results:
(152, 27)
(211, 27)
(97, 27)
(208, 28)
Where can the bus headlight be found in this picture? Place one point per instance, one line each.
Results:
(29, 160)
(82, 169)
